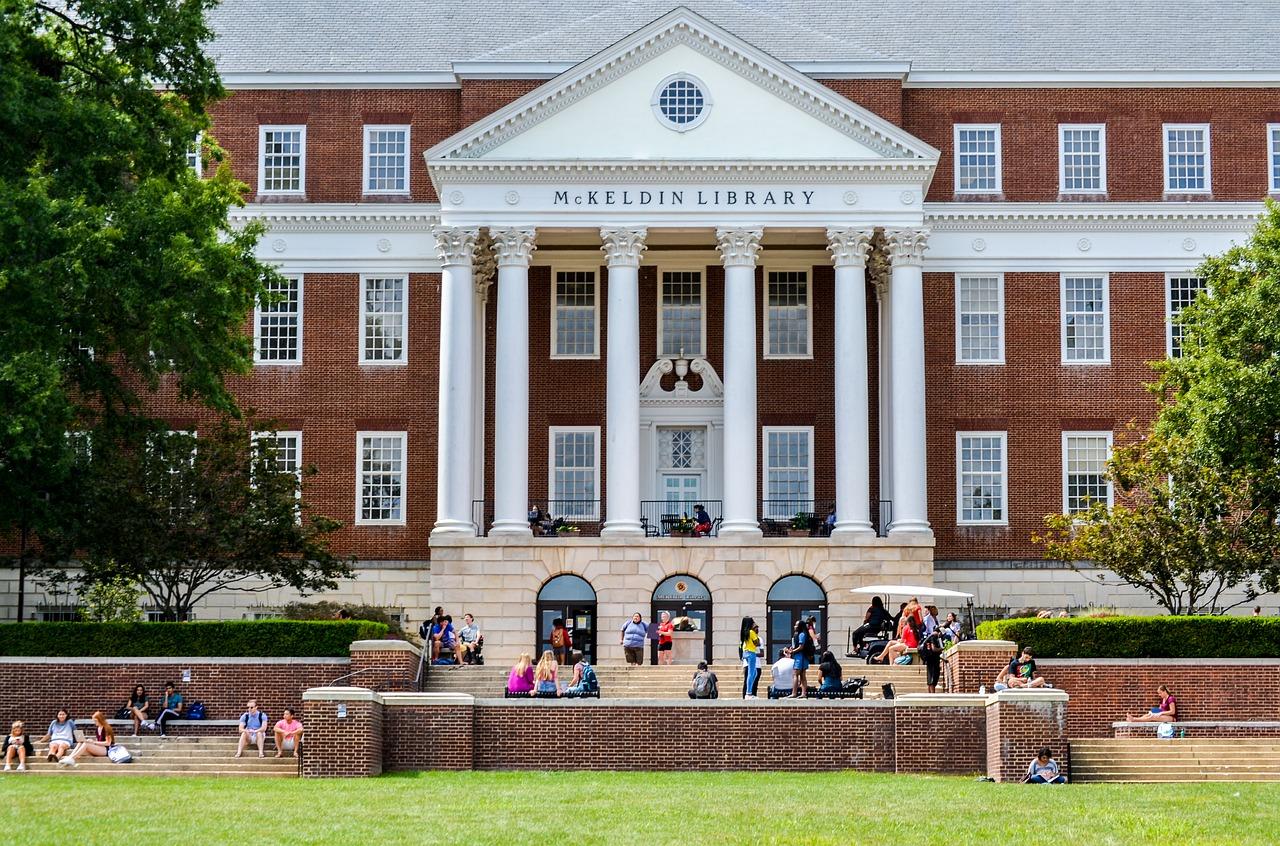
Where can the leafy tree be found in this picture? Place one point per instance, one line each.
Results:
(117, 263)
(184, 520)
(1183, 532)
(111, 601)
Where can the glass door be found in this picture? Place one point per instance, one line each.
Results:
(681, 491)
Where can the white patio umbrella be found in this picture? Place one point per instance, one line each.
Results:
(920, 590)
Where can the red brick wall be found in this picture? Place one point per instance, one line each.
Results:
(428, 737)
(930, 739)
(384, 669)
(342, 747)
(482, 97)
(882, 96)
(965, 671)
(1017, 730)
(34, 691)
(1104, 692)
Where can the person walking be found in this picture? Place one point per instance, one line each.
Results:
(666, 642)
(749, 637)
(632, 637)
(802, 652)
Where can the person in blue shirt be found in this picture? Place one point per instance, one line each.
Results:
(253, 729)
(170, 707)
(634, 634)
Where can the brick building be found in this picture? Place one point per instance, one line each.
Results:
(905, 263)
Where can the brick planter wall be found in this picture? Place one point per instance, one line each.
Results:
(432, 732)
(970, 664)
(1019, 723)
(33, 689)
(1197, 728)
(342, 746)
(943, 733)
(384, 664)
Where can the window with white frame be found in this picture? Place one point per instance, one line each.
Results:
(574, 492)
(1186, 158)
(282, 159)
(977, 159)
(380, 458)
(575, 317)
(1085, 336)
(980, 319)
(384, 311)
(386, 160)
(1273, 156)
(787, 326)
(195, 154)
(680, 314)
(80, 445)
(981, 478)
(283, 451)
(788, 471)
(1082, 158)
(175, 447)
(1182, 292)
(277, 323)
(1084, 470)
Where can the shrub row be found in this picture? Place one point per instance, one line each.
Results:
(1141, 637)
(215, 639)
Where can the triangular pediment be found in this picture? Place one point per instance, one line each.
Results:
(755, 108)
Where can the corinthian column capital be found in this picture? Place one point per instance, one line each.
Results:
(513, 246)
(849, 247)
(623, 247)
(738, 247)
(907, 246)
(455, 244)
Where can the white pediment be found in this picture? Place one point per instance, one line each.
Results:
(759, 109)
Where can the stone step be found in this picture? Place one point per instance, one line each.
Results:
(129, 770)
(1124, 776)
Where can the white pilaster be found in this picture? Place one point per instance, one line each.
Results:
(622, 249)
(907, 395)
(513, 249)
(456, 246)
(853, 429)
(738, 250)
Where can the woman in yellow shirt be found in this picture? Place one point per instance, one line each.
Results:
(750, 646)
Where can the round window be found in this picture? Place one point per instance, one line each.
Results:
(681, 102)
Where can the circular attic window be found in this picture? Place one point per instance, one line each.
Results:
(680, 102)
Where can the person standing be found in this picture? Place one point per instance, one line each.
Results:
(802, 654)
(930, 651)
(665, 640)
(561, 641)
(749, 636)
(632, 637)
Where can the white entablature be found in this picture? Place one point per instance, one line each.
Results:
(757, 142)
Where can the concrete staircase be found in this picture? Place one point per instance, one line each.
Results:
(176, 756)
(1177, 759)
(651, 682)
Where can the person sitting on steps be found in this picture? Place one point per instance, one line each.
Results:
(104, 738)
(61, 736)
(705, 685)
(253, 729)
(288, 732)
(17, 745)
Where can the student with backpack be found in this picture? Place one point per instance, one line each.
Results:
(705, 685)
(584, 680)
(561, 641)
(253, 729)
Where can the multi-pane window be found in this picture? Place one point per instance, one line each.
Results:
(1084, 320)
(80, 444)
(977, 159)
(680, 314)
(788, 471)
(59, 613)
(195, 155)
(575, 473)
(1084, 470)
(574, 319)
(1082, 159)
(1186, 158)
(380, 477)
(282, 159)
(386, 159)
(787, 324)
(277, 323)
(981, 477)
(1273, 156)
(283, 451)
(383, 319)
(1182, 291)
(980, 319)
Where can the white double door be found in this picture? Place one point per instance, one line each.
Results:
(680, 488)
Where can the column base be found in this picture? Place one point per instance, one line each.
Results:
(740, 529)
(510, 528)
(909, 526)
(854, 528)
(454, 528)
(622, 529)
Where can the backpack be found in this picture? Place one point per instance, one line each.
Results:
(196, 711)
(118, 754)
(557, 638)
(703, 685)
(589, 682)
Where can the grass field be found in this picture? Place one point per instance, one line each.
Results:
(628, 809)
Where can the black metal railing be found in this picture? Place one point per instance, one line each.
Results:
(792, 517)
(661, 518)
(567, 518)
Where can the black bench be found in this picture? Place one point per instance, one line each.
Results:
(508, 694)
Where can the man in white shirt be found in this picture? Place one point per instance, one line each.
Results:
(783, 673)
(469, 641)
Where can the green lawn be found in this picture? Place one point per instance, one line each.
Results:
(628, 809)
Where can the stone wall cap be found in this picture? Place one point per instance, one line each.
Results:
(340, 694)
(170, 660)
(923, 540)
(1159, 662)
(1052, 694)
(939, 700)
(566, 702)
(393, 699)
(1268, 724)
(384, 646)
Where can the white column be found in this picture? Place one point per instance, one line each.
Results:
(738, 249)
(513, 249)
(907, 397)
(456, 412)
(853, 428)
(622, 249)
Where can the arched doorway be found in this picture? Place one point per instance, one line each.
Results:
(574, 600)
(684, 596)
(790, 599)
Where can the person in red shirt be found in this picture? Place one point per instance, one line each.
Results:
(665, 628)
(908, 638)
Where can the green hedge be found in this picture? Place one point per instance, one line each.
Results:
(1141, 637)
(218, 639)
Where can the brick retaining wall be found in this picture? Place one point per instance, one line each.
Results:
(1196, 728)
